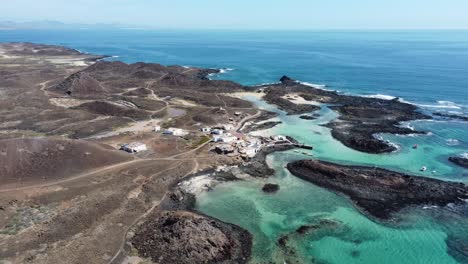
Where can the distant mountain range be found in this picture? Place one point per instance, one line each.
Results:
(57, 25)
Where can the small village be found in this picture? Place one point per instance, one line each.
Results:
(225, 139)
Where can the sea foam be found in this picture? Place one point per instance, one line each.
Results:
(381, 96)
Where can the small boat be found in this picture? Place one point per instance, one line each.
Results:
(415, 146)
(424, 168)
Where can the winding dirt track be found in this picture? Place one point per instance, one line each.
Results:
(108, 168)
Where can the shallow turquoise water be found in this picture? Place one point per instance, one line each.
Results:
(418, 237)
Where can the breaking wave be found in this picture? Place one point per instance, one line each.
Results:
(381, 96)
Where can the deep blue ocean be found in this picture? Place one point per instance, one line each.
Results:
(423, 67)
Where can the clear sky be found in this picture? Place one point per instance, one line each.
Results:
(247, 14)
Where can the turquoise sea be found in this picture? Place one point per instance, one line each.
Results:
(427, 68)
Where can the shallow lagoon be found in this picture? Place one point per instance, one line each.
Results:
(419, 236)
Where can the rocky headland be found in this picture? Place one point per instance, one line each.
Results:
(379, 192)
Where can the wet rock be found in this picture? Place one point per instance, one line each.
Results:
(450, 116)
(308, 117)
(460, 161)
(270, 188)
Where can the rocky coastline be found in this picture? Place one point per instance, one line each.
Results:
(379, 192)
(360, 117)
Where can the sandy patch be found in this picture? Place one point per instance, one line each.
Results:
(242, 95)
(139, 126)
(199, 184)
(178, 101)
(297, 99)
(67, 102)
(73, 62)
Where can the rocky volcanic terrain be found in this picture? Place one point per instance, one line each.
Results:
(185, 237)
(379, 192)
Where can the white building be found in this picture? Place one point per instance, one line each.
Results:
(205, 129)
(134, 147)
(217, 132)
(175, 132)
(228, 139)
(157, 128)
(279, 138)
(251, 151)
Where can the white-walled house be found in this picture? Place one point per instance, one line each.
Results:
(134, 147)
(217, 132)
(175, 132)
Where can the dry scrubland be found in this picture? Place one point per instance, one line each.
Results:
(67, 193)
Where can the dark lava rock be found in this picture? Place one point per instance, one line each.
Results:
(258, 167)
(451, 116)
(360, 117)
(379, 192)
(307, 117)
(286, 80)
(324, 223)
(270, 188)
(463, 162)
(186, 237)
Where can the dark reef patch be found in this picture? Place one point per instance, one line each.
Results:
(379, 192)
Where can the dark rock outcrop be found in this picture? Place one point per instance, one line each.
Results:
(462, 162)
(270, 188)
(379, 192)
(450, 116)
(186, 237)
(258, 167)
(308, 117)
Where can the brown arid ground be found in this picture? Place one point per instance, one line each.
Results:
(67, 194)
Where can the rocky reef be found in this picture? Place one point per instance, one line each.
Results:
(308, 117)
(460, 161)
(376, 191)
(450, 116)
(270, 188)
